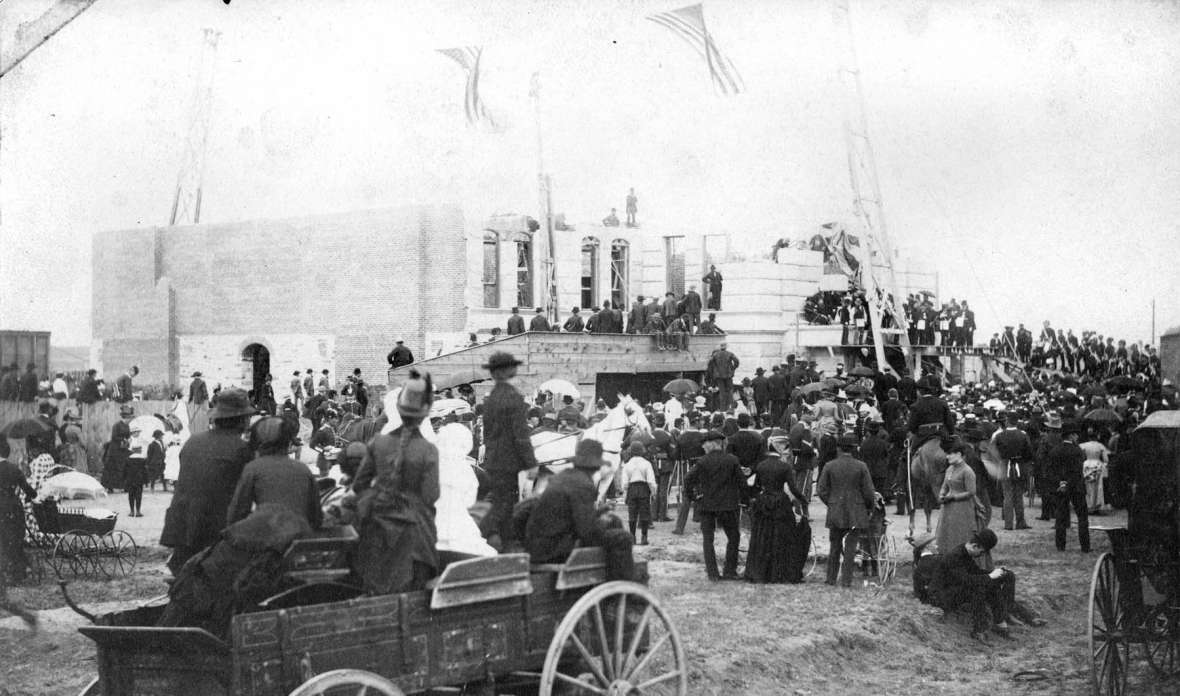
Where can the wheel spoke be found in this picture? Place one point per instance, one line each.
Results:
(657, 680)
(620, 622)
(579, 683)
(650, 653)
(636, 639)
(600, 625)
(588, 658)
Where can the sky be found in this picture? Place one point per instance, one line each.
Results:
(1026, 150)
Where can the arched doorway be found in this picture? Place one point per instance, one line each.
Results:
(255, 367)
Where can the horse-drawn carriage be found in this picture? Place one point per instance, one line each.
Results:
(1135, 589)
(494, 625)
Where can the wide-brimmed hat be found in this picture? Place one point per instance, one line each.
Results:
(47, 408)
(231, 403)
(72, 414)
(499, 360)
(197, 373)
(416, 397)
(126, 410)
(273, 430)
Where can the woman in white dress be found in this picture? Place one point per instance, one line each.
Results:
(457, 531)
(1094, 470)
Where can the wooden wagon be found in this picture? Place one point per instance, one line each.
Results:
(1135, 588)
(493, 625)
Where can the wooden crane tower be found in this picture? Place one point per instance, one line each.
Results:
(186, 204)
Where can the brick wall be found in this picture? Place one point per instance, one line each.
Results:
(362, 278)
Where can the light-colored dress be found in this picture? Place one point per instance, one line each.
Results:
(458, 487)
(958, 520)
(1094, 470)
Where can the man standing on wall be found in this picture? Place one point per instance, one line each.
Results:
(722, 365)
(632, 209)
(508, 450)
(123, 385)
(713, 281)
(400, 355)
(692, 306)
(515, 322)
(540, 322)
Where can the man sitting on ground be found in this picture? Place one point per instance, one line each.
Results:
(954, 580)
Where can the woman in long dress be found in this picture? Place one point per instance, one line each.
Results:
(958, 519)
(1094, 470)
(778, 543)
(458, 486)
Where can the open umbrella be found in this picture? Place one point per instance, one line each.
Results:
(25, 427)
(1102, 415)
(460, 377)
(812, 387)
(445, 407)
(862, 371)
(560, 386)
(72, 484)
(834, 383)
(682, 386)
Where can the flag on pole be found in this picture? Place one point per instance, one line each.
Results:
(689, 24)
(468, 58)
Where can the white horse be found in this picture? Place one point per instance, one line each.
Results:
(555, 450)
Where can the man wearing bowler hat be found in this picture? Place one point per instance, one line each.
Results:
(1064, 468)
(211, 463)
(564, 516)
(198, 391)
(508, 448)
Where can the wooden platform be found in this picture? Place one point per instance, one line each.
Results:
(579, 358)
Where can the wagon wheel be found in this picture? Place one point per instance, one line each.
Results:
(36, 558)
(1108, 623)
(353, 682)
(812, 560)
(616, 641)
(1163, 654)
(887, 560)
(74, 552)
(118, 554)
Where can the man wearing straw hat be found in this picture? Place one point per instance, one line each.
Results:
(508, 449)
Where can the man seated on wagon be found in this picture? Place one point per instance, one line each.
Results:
(564, 516)
(954, 580)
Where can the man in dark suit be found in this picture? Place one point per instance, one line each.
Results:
(717, 483)
(29, 385)
(930, 414)
(211, 463)
(198, 392)
(776, 385)
(637, 318)
(713, 281)
(1064, 469)
(1015, 450)
(400, 355)
(539, 321)
(760, 386)
(968, 329)
(722, 365)
(574, 324)
(690, 449)
(123, 386)
(692, 306)
(746, 444)
(564, 516)
(508, 450)
(846, 487)
(955, 580)
(670, 307)
(515, 322)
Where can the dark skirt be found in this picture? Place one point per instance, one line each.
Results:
(13, 564)
(778, 544)
(639, 502)
(112, 467)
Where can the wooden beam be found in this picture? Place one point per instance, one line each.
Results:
(32, 34)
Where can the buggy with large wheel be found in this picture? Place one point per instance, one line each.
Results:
(494, 625)
(1135, 588)
(76, 541)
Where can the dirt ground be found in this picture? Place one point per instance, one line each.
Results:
(798, 640)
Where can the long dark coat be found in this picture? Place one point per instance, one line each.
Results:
(505, 430)
(778, 544)
(846, 487)
(210, 465)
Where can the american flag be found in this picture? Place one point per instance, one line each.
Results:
(468, 57)
(689, 24)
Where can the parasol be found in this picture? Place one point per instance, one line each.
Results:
(25, 427)
(833, 383)
(72, 484)
(681, 387)
(1102, 415)
(445, 407)
(560, 386)
(862, 371)
(994, 404)
(460, 377)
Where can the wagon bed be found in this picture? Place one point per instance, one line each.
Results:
(484, 619)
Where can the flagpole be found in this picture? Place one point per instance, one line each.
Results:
(546, 200)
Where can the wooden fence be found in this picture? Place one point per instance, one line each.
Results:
(97, 421)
